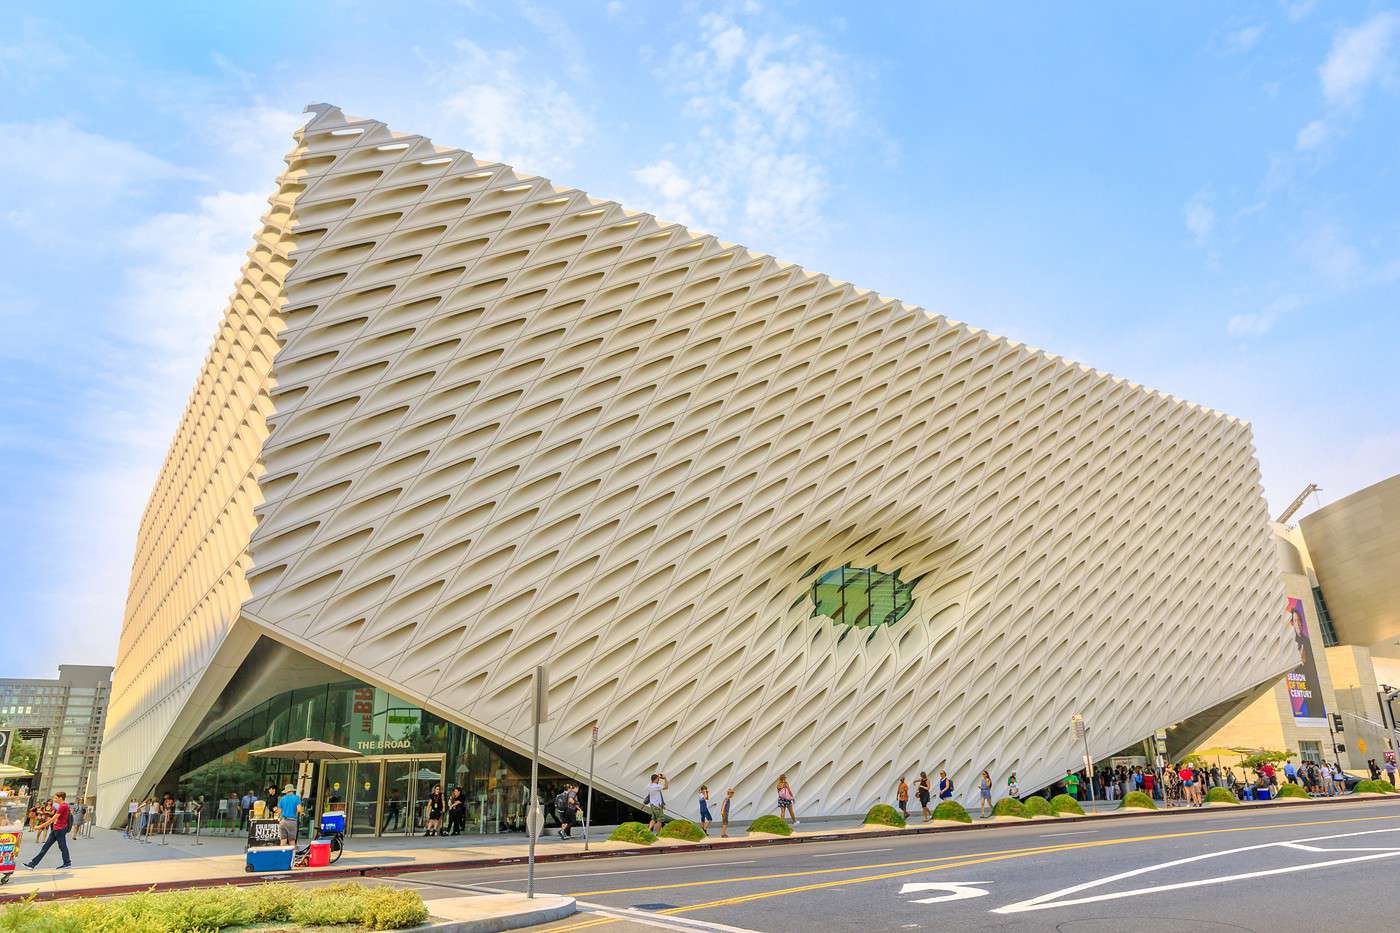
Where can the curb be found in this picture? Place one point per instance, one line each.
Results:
(561, 908)
(370, 871)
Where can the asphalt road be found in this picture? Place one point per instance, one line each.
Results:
(1303, 868)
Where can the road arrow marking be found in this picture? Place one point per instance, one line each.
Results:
(957, 891)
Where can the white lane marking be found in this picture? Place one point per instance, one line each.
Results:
(1080, 832)
(664, 921)
(955, 890)
(629, 871)
(1057, 898)
(855, 852)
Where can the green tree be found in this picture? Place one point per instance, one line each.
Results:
(23, 754)
(1263, 756)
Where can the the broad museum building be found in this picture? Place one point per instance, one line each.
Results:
(458, 422)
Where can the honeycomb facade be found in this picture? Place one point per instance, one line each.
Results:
(459, 422)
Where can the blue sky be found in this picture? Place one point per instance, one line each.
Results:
(1200, 197)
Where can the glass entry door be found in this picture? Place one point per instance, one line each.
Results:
(398, 797)
(365, 785)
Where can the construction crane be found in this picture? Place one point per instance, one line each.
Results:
(1297, 503)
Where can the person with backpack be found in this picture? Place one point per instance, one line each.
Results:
(655, 800)
(566, 805)
(945, 786)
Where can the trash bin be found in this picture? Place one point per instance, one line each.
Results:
(319, 855)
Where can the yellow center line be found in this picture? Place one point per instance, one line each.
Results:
(925, 865)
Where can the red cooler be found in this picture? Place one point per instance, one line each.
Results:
(320, 854)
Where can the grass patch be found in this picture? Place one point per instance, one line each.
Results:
(682, 829)
(345, 904)
(1039, 806)
(1137, 800)
(1010, 806)
(1224, 795)
(768, 823)
(1064, 803)
(951, 810)
(882, 814)
(1373, 787)
(1292, 790)
(633, 832)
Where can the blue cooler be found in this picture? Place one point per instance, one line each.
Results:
(271, 858)
(333, 821)
(1262, 793)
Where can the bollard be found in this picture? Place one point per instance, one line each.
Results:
(199, 815)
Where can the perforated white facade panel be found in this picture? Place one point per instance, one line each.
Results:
(508, 425)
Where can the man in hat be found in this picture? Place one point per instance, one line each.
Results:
(289, 805)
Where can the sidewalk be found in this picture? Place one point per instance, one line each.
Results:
(110, 864)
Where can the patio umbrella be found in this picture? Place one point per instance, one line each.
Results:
(11, 771)
(423, 775)
(306, 750)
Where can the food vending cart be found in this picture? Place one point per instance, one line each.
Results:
(13, 808)
(264, 849)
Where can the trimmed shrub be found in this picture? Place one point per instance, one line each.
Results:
(882, 814)
(1291, 790)
(1010, 806)
(1064, 803)
(1039, 806)
(633, 832)
(768, 823)
(344, 904)
(682, 829)
(1373, 787)
(951, 810)
(1137, 800)
(1225, 795)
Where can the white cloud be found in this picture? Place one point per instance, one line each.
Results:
(1327, 251)
(1358, 57)
(501, 112)
(1298, 10)
(1252, 324)
(1313, 135)
(561, 36)
(1244, 39)
(768, 103)
(66, 177)
(615, 8)
(1199, 217)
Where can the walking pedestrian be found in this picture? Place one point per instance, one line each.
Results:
(705, 818)
(655, 800)
(786, 800)
(1390, 770)
(566, 805)
(245, 807)
(724, 812)
(1374, 768)
(289, 809)
(436, 805)
(984, 795)
(901, 797)
(1071, 784)
(58, 825)
(924, 790)
(1013, 789)
(945, 786)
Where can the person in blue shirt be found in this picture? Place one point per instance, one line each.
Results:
(289, 805)
(1290, 772)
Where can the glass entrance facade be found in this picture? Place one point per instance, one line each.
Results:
(407, 751)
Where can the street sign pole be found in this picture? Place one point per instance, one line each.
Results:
(532, 821)
(1081, 731)
(588, 810)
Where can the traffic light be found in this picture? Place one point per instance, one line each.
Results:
(1337, 722)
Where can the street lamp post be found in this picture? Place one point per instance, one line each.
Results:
(588, 812)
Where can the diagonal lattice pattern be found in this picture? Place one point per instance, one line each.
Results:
(507, 424)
